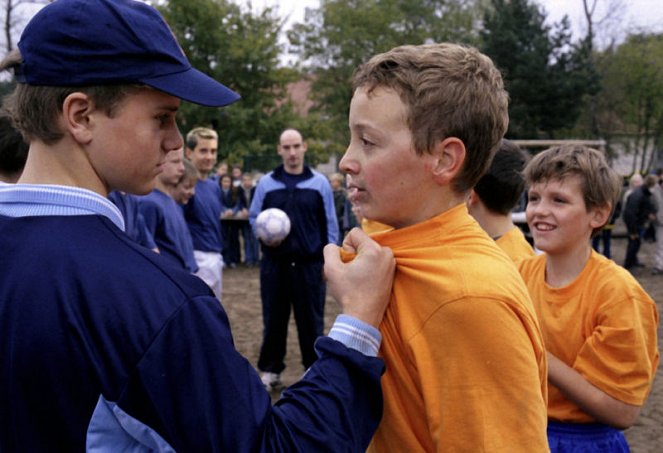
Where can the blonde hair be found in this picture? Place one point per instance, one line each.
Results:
(197, 133)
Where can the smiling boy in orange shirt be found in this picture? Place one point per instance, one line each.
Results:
(598, 324)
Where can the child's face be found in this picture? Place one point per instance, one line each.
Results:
(173, 167)
(387, 180)
(183, 191)
(203, 157)
(226, 182)
(558, 217)
(129, 149)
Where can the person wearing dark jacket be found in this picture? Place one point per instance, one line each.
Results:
(291, 271)
(639, 209)
(106, 345)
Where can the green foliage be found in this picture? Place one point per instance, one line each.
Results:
(342, 34)
(631, 102)
(546, 74)
(239, 48)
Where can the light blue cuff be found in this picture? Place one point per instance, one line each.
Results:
(356, 334)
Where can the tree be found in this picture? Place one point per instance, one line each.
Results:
(239, 48)
(342, 34)
(13, 19)
(631, 102)
(546, 74)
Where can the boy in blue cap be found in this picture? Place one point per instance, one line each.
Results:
(103, 344)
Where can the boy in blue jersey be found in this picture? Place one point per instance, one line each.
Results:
(104, 346)
(134, 222)
(164, 218)
(203, 211)
(291, 271)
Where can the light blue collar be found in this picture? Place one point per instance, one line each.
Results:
(26, 200)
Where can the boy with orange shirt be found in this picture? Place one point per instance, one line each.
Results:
(494, 197)
(466, 368)
(598, 324)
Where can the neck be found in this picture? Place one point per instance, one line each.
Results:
(64, 163)
(563, 268)
(165, 188)
(495, 225)
(293, 170)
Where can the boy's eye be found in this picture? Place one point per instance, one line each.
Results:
(165, 119)
(366, 142)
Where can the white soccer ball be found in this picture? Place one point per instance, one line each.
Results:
(272, 226)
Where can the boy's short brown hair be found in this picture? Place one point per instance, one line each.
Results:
(600, 184)
(449, 90)
(34, 109)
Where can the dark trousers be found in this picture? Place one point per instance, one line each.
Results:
(604, 236)
(285, 284)
(632, 249)
(230, 236)
(251, 245)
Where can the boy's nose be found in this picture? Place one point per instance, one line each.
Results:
(347, 163)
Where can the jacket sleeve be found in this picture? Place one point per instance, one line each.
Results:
(200, 394)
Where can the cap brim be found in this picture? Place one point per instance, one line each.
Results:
(194, 86)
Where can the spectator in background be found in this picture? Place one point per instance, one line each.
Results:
(13, 152)
(236, 174)
(658, 198)
(337, 181)
(246, 192)
(134, 222)
(291, 271)
(634, 182)
(186, 186)
(639, 209)
(605, 235)
(203, 211)
(229, 226)
(164, 217)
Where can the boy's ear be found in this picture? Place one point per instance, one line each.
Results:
(600, 216)
(76, 110)
(449, 156)
(472, 198)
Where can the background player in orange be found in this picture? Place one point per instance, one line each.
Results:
(599, 325)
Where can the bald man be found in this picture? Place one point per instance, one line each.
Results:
(291, 270)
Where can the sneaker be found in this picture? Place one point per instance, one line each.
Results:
(271, 381)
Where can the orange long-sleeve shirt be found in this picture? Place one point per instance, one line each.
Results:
(466, 369)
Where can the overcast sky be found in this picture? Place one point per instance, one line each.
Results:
(647, 14)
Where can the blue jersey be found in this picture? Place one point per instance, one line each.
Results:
(203, 215)
(134, 222)
(165, 221)
(309, 202)
(105, 345)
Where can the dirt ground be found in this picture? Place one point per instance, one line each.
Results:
(241, 299)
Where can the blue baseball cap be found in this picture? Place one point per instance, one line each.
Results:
(80, 43)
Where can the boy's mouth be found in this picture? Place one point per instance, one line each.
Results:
(353, 192)
(541, 226)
